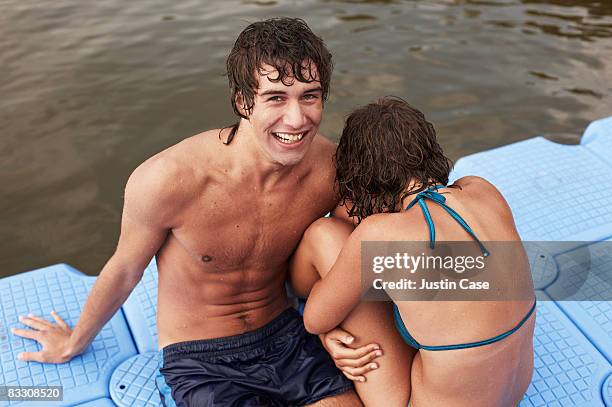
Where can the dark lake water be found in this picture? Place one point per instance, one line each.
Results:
(88, 90)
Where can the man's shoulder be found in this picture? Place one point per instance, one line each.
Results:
(154, 181)
(179, 167)
(193, 149)
(185, 156)
(161, 167)
(321, 154)
(322, 144)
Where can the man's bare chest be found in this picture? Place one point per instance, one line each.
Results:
(244, 231)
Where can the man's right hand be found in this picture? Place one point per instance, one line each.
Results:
(54, 338)
(151, 204)
(354, 363)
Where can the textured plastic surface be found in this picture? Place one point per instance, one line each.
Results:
(607, 391)
(583, 290)
(140, 310)
(568, 369)
(598, 138)
(543, 265)
(544, 184)
(133, 382)
(98, 403)
(63, 289)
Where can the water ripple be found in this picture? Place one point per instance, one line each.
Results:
(91, 90)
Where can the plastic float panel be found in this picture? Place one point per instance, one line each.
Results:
(583, 290)
(606, 391)
(133, 382)
(569, 371)
(598, 138)
(542, 262)
(98, 403)
(556, 192)
(63, 289)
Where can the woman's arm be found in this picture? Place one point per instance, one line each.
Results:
(317, 253)
(334, 297)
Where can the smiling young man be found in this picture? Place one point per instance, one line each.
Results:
(223, 211)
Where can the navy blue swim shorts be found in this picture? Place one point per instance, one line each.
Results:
(279, 364)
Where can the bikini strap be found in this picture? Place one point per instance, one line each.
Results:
(486, 341)
(432, 194)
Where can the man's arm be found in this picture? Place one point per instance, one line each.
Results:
(147, 213)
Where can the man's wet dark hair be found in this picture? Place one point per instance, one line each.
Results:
(284, 43)
(386, 147)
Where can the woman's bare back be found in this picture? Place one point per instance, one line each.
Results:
(496, 374)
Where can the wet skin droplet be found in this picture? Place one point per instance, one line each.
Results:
(206, 258)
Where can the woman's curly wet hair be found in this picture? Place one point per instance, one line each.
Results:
(386, 147)
(284, 43)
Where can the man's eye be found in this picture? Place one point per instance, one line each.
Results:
(310, 97)
(275, 99)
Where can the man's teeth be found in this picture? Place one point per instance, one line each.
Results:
(289, 138)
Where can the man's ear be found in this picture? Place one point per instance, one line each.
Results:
(240, 104)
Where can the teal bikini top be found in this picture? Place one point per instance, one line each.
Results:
(433, 195)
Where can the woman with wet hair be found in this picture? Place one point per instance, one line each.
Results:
(392, 176)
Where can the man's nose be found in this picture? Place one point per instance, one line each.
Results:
(294, 116)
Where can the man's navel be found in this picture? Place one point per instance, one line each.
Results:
(245, 321)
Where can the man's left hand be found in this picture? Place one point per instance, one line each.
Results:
(354, 363)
